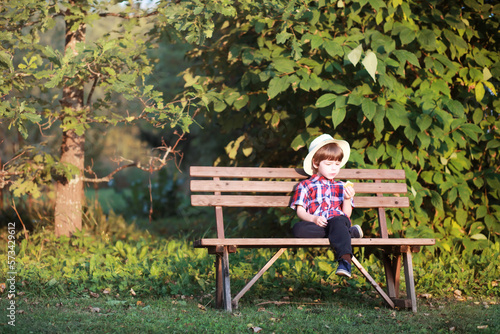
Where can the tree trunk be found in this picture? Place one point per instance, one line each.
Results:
(69, 193)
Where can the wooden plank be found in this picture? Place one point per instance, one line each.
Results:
(219, 281)
(227, 281)
(308, 242)
(382, 220)
(283, 201)
(409, 280)
(247, 172)
(287, 187)
(219, 218)
(292, 173)
(392, 268)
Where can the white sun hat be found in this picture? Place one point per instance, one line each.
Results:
(318, 143)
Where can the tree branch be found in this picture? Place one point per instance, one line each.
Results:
(127, 17)
(155, 163)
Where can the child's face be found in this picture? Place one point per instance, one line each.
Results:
(328, 168)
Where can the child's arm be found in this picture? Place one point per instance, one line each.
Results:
(304, 215)
(349, 193)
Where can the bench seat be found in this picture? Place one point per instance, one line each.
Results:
(306, 242)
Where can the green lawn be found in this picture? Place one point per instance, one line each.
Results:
(190, 315)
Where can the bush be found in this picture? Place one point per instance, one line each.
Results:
(113, 257)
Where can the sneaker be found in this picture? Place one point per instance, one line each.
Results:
(356, 231)
(344, 268)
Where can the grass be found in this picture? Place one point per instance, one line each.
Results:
(341, 314)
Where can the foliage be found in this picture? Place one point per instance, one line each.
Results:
(410, 84)
(110, 256)
(71, 80)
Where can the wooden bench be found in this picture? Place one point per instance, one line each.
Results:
(221, 187)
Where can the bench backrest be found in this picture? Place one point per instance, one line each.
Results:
(272, 187)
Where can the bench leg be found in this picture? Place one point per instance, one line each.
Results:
(222, 281)
(392, 274)
(410, 282)
(219, 281)
(256, 277)
(227, 285)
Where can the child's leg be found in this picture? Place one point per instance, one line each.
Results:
(339, 236)
(308, 230)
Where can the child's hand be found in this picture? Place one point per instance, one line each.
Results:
(349, 191)
(320, 221)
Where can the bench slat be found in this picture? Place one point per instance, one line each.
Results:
(283, 201)
(287, 187)
(308, 242)
(292, 173)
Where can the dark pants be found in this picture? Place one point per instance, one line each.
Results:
(337, 232)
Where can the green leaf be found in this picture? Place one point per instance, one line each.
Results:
(333, 48)
(406, 56)
(424, 121)
(300, 141)
(471, 130)
(493, 144)
(355, 55)
(407, 36)
(338, 116)
(370, 63)
(369, 108)
(277, 85)
(325, 100)
(455, 107)
(479, 91)
(486, 74)
(436, 200)
(478, 236)
(378, 119)
(284, 65)
(377, 4)
(282, 37)
(427, 39)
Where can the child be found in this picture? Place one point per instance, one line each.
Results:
(325, 205)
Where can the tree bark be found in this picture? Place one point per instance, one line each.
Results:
(70, 193)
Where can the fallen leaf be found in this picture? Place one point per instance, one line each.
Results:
(457, 292)
(93, 294)
(3, 286)
(94, 309)
(106, 291)
(132, 292)
(140, 303)
(482, 327)
(201, 307)
(426, 295)
(256, 329)
(452, 329)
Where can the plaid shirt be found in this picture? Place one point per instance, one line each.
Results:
(320, 196)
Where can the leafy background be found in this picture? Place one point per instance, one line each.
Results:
(409, 84)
